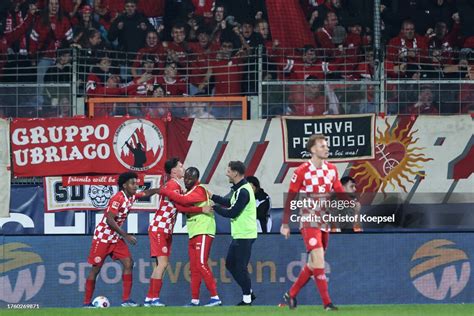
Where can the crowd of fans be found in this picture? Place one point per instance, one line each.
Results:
(207, 47)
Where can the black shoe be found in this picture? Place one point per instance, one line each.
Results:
(252, 297)
(244, 304)
(291, 301)
(330, 307)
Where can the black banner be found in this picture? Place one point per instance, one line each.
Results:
(350, 137)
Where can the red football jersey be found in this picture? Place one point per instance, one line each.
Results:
(120, 206)
(309, 179)
(165, 215)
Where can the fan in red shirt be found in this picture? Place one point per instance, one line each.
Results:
(171, 82)
(153, 47)
(307, 99)
(408, 46)
(110, 239)
(314, 177)
(161, 229)
(200, 242)
(425, 104)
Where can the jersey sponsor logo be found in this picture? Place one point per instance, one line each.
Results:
(443, 272)
(22, 273)
(115, 205)
(138, 144)
(294, 178)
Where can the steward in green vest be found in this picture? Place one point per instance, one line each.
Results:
(201, 230)
(241, 208)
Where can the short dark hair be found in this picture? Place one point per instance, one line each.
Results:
(124, 177)
(253, 180)
(170, 164)
(347, 179)
(193, 172)
(237, 166)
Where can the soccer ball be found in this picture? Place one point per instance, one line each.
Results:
(101, 302)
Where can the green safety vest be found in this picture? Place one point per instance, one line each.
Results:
(200, 223)
(244, 226)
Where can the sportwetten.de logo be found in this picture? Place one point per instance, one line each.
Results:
(22, 273)
(440, 257)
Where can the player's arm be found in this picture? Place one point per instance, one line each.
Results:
(295, 185)
(222, 200)
(189, 209)
(195, 196)
(110, 214)
(235, 209)
(147, 193)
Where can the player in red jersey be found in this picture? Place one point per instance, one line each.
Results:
(109, 238)
(316, 176)
(161, 228)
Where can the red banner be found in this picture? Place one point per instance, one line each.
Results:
(46, 147)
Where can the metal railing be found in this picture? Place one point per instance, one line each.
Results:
(280, 81)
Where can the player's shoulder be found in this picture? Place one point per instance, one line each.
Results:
(118, 197)
(173, 185)
(331, 166)
(303, 167)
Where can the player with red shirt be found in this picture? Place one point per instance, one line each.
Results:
(161, 229)
(201, 231)
(316, 176)
(109, 238)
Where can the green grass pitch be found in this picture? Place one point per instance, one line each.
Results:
(362, 310)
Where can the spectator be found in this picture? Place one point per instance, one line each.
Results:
(9, 36)
(264, 205)
(130, 28)
(408, 46)
(103, 16)
(307, 100)
(440, 11)
(60, 73)
(440, 40)
(84, 23)
(203, 8)
(324, 35)
(218, 23)
(261, 27)
(154, 10)
(200, 74)
(103, 82)
(90, 46)
(199, 110)
(308, 65)
(178, 49)
(227, 68)
(425, 104)
(153, 47)
(149, 68)
(171, 82)
(50, 30)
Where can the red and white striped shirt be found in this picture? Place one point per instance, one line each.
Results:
(165, 215)
(120, 206)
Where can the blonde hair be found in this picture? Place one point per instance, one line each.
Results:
(313, 139)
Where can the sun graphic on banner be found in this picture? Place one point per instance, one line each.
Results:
(396, 158)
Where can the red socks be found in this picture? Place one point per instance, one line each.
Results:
(301, 281)
(155, 288)
(90, 286)
(127, 286)
(322, 284)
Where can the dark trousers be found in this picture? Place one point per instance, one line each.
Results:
(238, 258)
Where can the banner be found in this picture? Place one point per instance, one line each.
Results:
(92, 197)
(349, 137)
(96, 180)
(51, 271)
(47, 147)
(4, 168)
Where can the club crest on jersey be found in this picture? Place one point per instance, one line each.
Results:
(294, 177)
(138, 144)
(115, 205)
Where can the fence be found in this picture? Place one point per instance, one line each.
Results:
(278, 81)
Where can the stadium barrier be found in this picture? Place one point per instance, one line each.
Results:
(50, 271)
